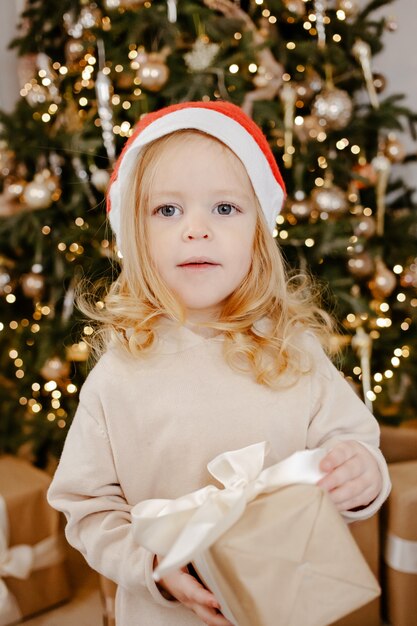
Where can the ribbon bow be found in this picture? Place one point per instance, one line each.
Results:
(182, 528)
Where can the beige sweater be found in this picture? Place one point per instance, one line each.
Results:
(147, 429)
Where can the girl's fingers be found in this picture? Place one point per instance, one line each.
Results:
(338, 455)
(209, 616)
(349, 470)
(362, 499)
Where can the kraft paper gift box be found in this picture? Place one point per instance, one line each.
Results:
(400, 545)
(32, 574)
(270, 545)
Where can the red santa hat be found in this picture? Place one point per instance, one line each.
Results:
(224, 121)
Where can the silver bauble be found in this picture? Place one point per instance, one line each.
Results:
(37, 195)
(334, 106)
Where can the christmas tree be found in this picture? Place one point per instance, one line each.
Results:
(303, 70)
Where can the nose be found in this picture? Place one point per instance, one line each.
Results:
(196, 228)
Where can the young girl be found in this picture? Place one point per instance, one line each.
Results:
(208, 347)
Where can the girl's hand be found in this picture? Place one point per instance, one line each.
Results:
(352, 476)
(185, 588)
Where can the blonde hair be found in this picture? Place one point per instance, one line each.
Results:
(138, 297)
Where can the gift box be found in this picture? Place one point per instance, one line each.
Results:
(400, 545)
(32, 554)
(270, 545)
(366, 533)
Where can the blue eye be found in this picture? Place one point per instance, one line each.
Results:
(224, 208)
(168, 210)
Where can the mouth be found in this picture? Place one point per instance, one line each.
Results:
(198, 264)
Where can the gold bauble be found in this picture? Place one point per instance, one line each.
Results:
(6, 284)
(361, 265)
(154, 72)
(330, 199)
(408, 277)
(33, 285)
(394, 149)
(74, 51)
(380, 82)
(365, 227)
(299, 207)
(55, 369)
(383, 283)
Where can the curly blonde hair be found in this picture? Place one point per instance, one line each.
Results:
(128, 311)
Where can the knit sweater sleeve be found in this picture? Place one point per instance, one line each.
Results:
(338, 414)
(86, 489)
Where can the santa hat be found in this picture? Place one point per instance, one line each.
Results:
(224, 121)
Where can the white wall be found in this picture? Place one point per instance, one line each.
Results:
(9, 86)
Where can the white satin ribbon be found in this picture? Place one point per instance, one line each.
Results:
(19, 561)
(401, 554)
(181, 529)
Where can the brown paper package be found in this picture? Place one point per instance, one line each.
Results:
(31, 519)
(312, 577)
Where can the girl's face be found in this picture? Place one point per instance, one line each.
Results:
(201, 223)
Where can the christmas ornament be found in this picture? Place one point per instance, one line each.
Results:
(6, 281)
(202, 55)
(89, 17)
(77, 352)
(391, 23)
(37, 194)
(349, 7)
(55, 369)
(33, 285)
(103, 89)
(309, 86)
(288, 96)
(100, 179)
(309, 129)
(384, 281)
(74, 51)
(362, 344)
(393, 149)
(334, 106)
(299, 206)
(408, 277)
(380, 82)
(361, 265)
(154, 72)
(329, 199)
(319, 7)
(366, 227)
(297, 7)
(382, 166)
(362, 52)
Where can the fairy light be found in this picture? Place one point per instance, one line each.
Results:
(341, 15)
(10, 298)
(283, 234)
(234, 68)
(291, 45)
(377, 389)
(280, 219)
(355, 149)
(371, 395)
(337, 38)
(401, 297)
(50, 385)
(395, 361)
(405, 352)
(357, 370)
(275, 233)
(71, 388)
(309, 243)
(266, 13)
